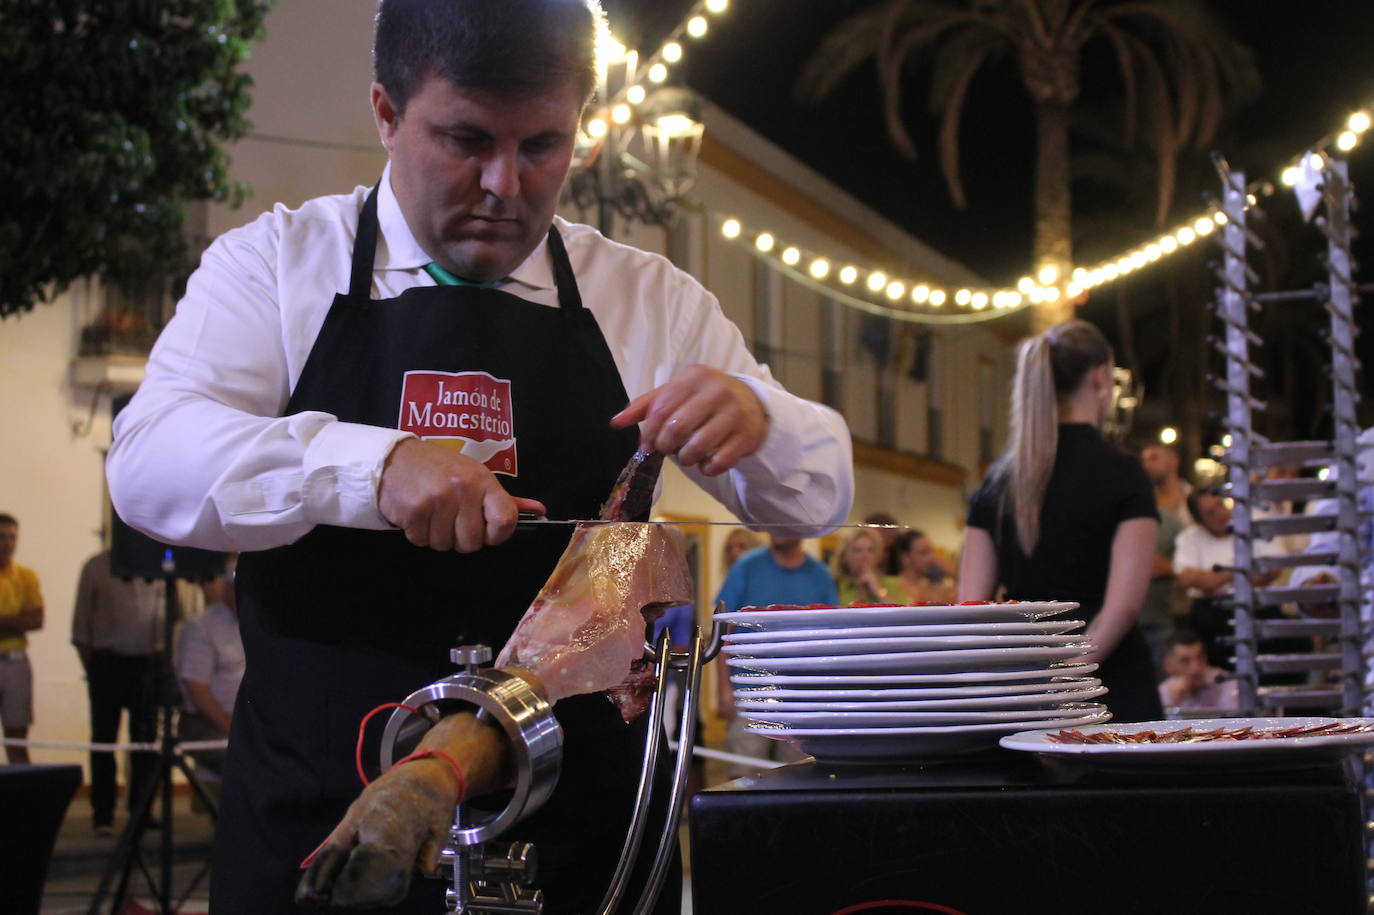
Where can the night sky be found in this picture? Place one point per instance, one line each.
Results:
(1316, 63)
(1314, 71)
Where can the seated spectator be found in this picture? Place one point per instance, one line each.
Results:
(923, 578)
(210, 667)
(1203, 555)
(1192, 683)
(859, 577)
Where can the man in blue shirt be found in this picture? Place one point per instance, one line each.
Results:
(780, 573)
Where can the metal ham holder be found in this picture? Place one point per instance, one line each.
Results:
(498, 877)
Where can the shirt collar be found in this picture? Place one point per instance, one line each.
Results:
(397, 248)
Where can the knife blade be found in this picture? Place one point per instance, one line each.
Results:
(531, 522)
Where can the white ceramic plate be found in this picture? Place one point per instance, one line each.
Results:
(947, 680)
(1218, 752)
(804, 720)
(889, 744)
(760, 708)
(1053, 627)
(1047, 688)
(814, 648)
(832, 617)
(901, 662)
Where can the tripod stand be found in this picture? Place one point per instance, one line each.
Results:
(128, 851)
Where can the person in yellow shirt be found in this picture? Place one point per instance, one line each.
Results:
(21, 611)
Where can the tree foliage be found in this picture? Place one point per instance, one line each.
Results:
(115, 112)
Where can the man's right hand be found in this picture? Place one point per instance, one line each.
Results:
(446, 501)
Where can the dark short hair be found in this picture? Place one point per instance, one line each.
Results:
(905, 540)
(1182, 638)
(1195, 502)
(507, 47)
(8, 519)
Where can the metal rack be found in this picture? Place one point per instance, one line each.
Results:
(1336, 663)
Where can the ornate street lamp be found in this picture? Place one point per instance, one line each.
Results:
(635, 161)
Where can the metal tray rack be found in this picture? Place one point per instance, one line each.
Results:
(1336, 663)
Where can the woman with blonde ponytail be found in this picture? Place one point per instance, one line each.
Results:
(1064, 515)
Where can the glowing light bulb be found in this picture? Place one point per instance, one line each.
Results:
(730, 228)
(1315, 161)
(672, 52)
(1358, 122)
(635, 94)
(1138, 260)
(1048, 274)
(1185, 236)
(848, 275)
(920, 294)
(1153, 252)
(1025, 284)
(1052, 294)
(1168, 244)
(1168, 435)
(1290, 175)
(791, 257)
(963, 297)
(1219, 218)
(658, 73)
(1013, 299)
(1347, 141)
(620, 114)
(876, 281)
(764, 242)
(596, 128)
(1226, 440)
(979, 300)
(937, 297)
(1074, 290)
(697, 26)
(717, 6)
(895, 290)
(820, 268)
(1204, 226)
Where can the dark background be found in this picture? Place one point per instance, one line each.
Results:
(1316, 62)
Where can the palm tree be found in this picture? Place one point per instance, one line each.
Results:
(1177, 64)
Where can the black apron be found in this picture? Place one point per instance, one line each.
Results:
(344, 620)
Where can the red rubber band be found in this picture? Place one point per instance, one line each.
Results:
(362, 727)
(457, 769)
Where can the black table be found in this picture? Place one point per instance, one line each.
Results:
(1015, 833)
(34, 800)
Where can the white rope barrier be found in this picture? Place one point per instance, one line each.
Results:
(188, 746)
(708, 753)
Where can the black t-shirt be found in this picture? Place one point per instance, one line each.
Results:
(1094, 487)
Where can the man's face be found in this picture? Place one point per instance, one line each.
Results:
(1214, 515)
(476, 174)
(9, 539)
(1187, 661)
(784, 543)
(1160, 464)
(920, 555)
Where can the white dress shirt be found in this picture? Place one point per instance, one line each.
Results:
(203, 456)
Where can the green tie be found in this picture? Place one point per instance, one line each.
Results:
(444, 278)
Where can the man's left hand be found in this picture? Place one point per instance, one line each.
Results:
(704, 416)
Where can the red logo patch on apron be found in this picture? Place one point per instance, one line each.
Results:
(469, 412)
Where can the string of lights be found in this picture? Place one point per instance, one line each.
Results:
(922, 299)
(911, 297)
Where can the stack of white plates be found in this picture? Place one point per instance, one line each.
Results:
(895, 683)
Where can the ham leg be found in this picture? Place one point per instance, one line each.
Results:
(583, 633)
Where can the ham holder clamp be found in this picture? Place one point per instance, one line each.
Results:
(490, 876)
(583, 633)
